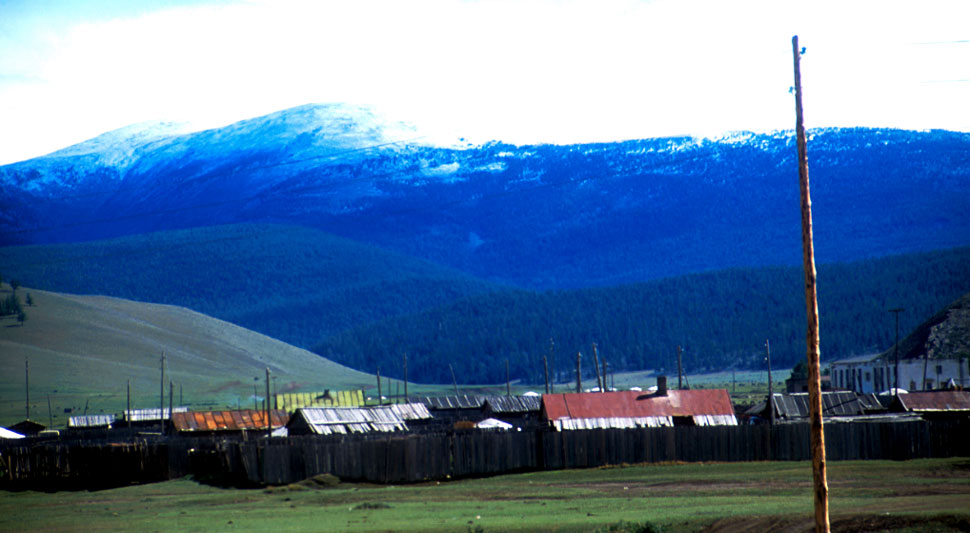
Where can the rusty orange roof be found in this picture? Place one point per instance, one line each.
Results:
(936, 401)
(635, 404)
(228, 420)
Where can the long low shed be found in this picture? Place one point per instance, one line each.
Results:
(632, 409)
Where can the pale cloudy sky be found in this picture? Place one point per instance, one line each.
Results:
(519, 71)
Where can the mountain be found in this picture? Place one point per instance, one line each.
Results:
(83, 350)
(295, 284)
(721, 319)
(537, 217)
(945, 335)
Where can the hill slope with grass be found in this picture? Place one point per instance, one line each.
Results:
(84, 349)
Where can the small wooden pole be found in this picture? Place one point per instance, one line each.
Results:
(545, 365)
(405, 378)
(269, 421)
(552, 363)
(181, 402)
(50, 413)
(380, 400)
(604, 375)
(161, 398)
(508, 380)
(255, 393)
(596, 368)
(771, 391)
(27, 386)
(171, 398)
(128, 409)
(811, 305)
(680, 370)
(579, 372)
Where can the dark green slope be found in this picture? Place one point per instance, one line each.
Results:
(721, 318)
(291, 283)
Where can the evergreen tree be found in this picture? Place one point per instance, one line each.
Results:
(30, 301)
(14, 284)
(21, 317)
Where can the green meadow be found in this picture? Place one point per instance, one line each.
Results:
(917, 495)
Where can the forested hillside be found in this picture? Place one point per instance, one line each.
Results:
(294, 284)
(722, 320)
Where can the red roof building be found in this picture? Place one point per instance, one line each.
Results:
(936, 402)
(222, 421)
(629, 409)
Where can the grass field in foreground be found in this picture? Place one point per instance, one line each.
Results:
(918, 495)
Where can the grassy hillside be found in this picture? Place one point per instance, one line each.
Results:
(291, 283)
(720, 318)
(83, 349)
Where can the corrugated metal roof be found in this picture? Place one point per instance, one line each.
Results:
(90, 421)
(411, 411)
(461, 401)
(341, 420)
(936, 401)
(613, 423)
(514, 404)
(146, 415)
(328, 398)
(634, 409)
(247, 419)
(836, 403)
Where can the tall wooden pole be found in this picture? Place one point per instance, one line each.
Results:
(508, 380)
(161, 398)
(50, 413)
(896, 312)
(454, 381)
(596, 368)
(680, 371)
(405, 378)
(380, 399)
(604, 376)
(579, 372)
(269, 421)
(128, 410)
(552, 363)
(811, 306)
(771, 390)
(545, 366)
(171, 396)
(27, 386)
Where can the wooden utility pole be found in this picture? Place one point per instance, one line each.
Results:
(50, 413)
(545, 366)
(896, 312)
(811, 306)
(771, 390)
(128, 410)
(604, 375)
(579, 373)
(27, 386)
(269, 421)
(680, 370)
(455, 381)
(508, 381)
(596, 368)
(405, 378)
(379, 400)
(161, 398)
(552, 363)
(171, 397)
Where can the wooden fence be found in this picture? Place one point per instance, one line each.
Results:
(404, 458)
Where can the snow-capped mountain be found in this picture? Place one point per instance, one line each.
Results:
(541, 216)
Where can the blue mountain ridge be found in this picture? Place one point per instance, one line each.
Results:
(544, 216)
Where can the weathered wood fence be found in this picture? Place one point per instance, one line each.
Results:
(404, 458)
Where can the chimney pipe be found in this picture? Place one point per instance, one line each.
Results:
(661, 385)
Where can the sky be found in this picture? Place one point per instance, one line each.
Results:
(519, 71)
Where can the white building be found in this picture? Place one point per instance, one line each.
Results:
(871, 373)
